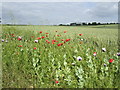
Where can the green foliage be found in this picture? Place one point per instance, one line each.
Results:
(42, 67)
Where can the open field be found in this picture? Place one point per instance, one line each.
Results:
(63, 56)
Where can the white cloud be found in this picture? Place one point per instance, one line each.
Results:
(55, 13)
(104, 10)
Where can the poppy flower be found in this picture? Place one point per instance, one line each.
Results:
(53, 40)
(104, 49)
(105, 64)
(65, 31)
(94, 54)
(2, 40)
(62, 39)
(56, 82)
(56, 41)
(46, 33)
(32, 36)
(38, 38)
(111, 60)
(20, 46)
(34, 48)
(36, 41)
(60, 44)
(80, 34)
(48, 42)
(19, 38)
(40, 31)
(67, 40)
(118, 54)
(53, 43)
(79, 58)
(12, 35)
(43, 37)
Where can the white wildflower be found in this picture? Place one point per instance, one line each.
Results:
(104, 49)
(79, 58)
(6, 41)
(76, 51)
(2, 40)
(94, 54)
(73, 63)
(36, 41)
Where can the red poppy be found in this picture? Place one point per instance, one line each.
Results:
(12, 35)
(94, 54)
(53, 43)
(56, 82)
(60, 44)
(46, 33)
(65, 31)
(48, 42)
(111, 60)
(67, 40)
(20, 46)
(43, 37)
(40, 31)
(53, 40)
(62, 39)
(38, 38)
(80, 34)
(34, 48)
(19, 39)
(32, 36)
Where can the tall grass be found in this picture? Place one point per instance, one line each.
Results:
(42, 67)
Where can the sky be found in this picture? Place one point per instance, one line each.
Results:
(54, 13)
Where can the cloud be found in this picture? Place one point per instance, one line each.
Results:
(58, 12)
(104, 10)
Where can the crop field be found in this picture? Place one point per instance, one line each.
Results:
(60, 56)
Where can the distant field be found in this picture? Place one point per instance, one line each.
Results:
(63, 56)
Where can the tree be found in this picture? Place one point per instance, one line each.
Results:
(84, 23)
(99, 23)
(72, 24)
(89, 23)
(94, 23)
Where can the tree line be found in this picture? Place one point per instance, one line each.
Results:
(83, 23)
